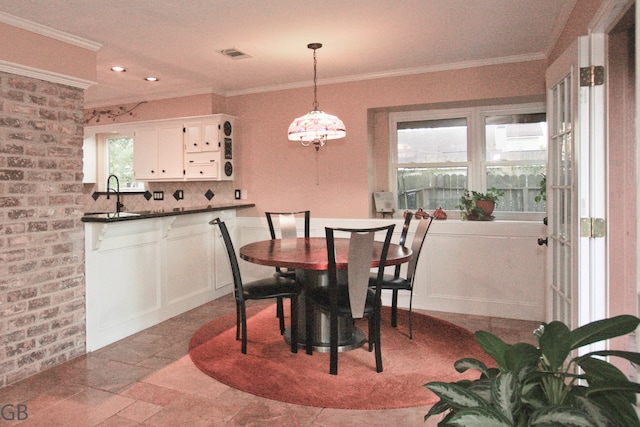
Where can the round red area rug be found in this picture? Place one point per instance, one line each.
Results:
(270, 370)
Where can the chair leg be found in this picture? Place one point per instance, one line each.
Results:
(394, 308)
(310, 319)
(410, 315)
(370, 320)
(237, 321)
(243, 320)
(333, 339)
(280, 314)
(376, 328)
(294, 324)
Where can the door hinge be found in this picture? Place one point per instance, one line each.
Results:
(592, 76)
(592, 227)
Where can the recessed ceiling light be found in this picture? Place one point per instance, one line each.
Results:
(151, 79)
(118, 69)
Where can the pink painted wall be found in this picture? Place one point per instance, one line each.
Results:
(338, 180)
(195, 105)
(26, 48)
(576, 26)
(622, 216)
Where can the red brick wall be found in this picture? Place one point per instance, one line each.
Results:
(42, 307)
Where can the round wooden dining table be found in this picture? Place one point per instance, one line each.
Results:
(308, 256)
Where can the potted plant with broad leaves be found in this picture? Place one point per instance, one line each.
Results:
(477, 206)
(549, 385)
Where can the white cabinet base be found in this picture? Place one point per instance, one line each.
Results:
(140, 273)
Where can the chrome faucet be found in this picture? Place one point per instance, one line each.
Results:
(119, 205)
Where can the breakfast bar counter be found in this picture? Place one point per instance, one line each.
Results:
(143, 268)
(127, 216)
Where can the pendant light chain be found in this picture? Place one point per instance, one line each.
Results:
(315, 81)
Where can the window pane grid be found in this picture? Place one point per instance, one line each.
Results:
(437, 159)
(430, 188)
(120, 162)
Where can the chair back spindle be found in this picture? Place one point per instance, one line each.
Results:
(288, 226)
(416, 246)
(360, 252)
(287, 223)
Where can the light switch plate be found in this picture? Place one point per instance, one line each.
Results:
(158, 195)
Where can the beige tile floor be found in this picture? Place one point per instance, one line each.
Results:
(148, 379)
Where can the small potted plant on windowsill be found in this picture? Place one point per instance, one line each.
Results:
(476, 206)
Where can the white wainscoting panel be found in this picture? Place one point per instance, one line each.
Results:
(482, 268)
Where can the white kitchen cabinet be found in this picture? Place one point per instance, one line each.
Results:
(202, 166)
(201, 136)
(158, 153)
(142, 272)
(202, 150)
(179, 149)
(89, 159)
(208, 148)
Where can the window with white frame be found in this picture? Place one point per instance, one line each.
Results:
(115, 156)
(437, 154)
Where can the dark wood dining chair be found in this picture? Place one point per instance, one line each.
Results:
(396, 282)
(271, 287)
(408, 216)
(355, 299)
(287, 225)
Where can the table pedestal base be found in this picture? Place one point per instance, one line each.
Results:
(357, 340)
(349, 337)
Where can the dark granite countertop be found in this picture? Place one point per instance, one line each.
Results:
(128, 216)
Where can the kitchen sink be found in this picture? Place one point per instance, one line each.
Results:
(112, 215)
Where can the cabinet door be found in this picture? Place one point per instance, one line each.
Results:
(89, 160)
(145, 154)
(202, 166)
(192, 138)
(201, 137)
(170, 164)
(211, 140)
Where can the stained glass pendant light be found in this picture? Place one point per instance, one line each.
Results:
(316, 127)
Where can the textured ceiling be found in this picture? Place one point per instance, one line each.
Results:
(179, 41)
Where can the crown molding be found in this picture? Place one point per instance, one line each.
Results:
(49, 32)
(346, 79)
(154, 97)
(395, 73)
(49, 76)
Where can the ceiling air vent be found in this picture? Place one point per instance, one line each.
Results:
(234, 53)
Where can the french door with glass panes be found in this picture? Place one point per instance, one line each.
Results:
(576, 267)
